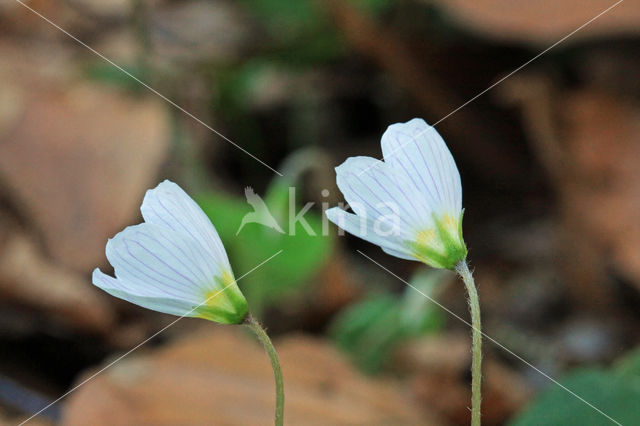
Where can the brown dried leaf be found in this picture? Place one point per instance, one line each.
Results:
(589, 142)
(77, 162)
(545, 21)
(222, 376)
(602, 197)
(440, 367)
(28, 278)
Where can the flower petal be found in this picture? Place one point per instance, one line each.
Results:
(134, 294)
(167, 205)
(365, 228)
(162, 262)
(400, 254)
(416, 151)
(374, 190)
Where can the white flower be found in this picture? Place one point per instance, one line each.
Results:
(410, 204)
(174, 262)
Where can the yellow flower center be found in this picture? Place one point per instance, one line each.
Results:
(211, 295)
(224, 303)
(450, 221)
(426, 236)
(441, 246)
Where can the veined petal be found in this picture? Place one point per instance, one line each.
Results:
(157, 259)
(167, 205)
(141, 297)
(389, 239)
(417, 152)
(400, 254)
(374, 190)
(442, 247)
(158, 268)
(174, 262)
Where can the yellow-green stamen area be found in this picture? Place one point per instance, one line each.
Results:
(223, 302)
(441, 246)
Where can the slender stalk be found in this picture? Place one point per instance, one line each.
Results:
(255, 326)
(476, 362)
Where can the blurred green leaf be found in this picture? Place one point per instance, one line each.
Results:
(303, 253)
(374, 7)
(418, 313)
(225, 212)
(310, 50)
(302, 33)
(629, 365)
(369, 330)
(285, 18)
(615, 391)
(236, 84)
(289, 19)
(106, 73)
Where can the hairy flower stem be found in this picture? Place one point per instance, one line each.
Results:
(251, 322)
(476, 362)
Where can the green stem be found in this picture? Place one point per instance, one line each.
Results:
(251, 322)
(476, 362)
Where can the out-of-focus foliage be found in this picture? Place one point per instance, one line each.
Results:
(106, 73)
(369, 330)
(301, 33)
(615, 391)
(300, 38)
(630, 365)
(303, 253)
(301, 30)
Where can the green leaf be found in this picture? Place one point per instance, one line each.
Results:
(614, 394)
(419, 314)
(225, 212)
(629, 365)
(374, 7)
(108, 74)
(371, 329)
(284, 18)
(284, 276)
(368, 330)
(301, 31)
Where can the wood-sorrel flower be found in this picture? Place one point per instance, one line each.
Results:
(174, 262)
(410, 204)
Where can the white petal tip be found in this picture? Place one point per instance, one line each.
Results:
(358, 165)
(413, 127)
(100, 279)
(165, 186)
(333, 213)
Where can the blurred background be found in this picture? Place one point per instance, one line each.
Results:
(549, 159)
